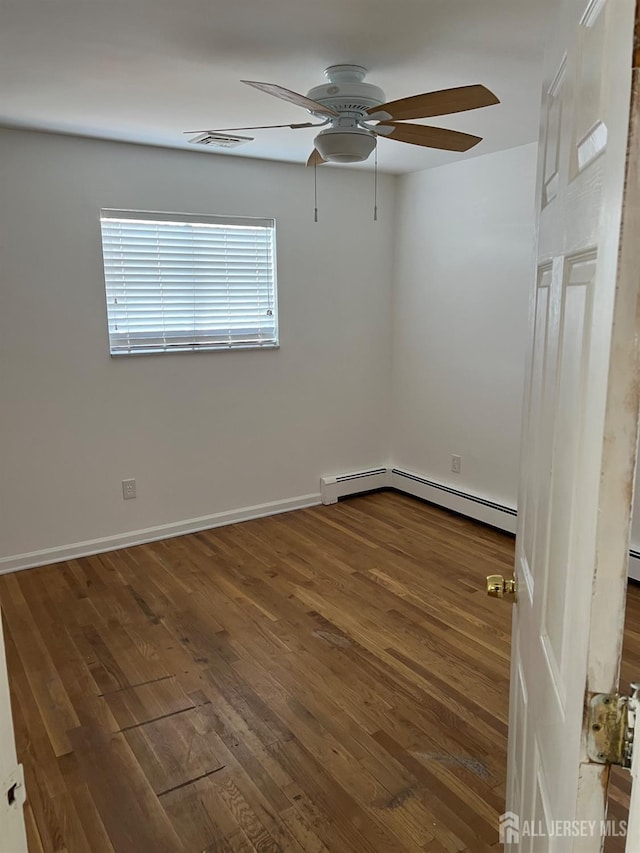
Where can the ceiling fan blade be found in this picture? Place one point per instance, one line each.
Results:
(256, 127)
(315, 158)
(439, 103)
(292, 97)
(429, 137)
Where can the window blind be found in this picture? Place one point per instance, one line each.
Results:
(176, 282)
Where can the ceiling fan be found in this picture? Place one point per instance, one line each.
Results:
(354, 114)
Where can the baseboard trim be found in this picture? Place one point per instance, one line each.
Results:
(331, 489)
(152, 534)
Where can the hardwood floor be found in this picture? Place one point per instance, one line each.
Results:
(332, 679)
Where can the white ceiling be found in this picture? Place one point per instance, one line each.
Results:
(145, 70)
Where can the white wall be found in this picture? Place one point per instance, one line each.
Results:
(464, 261)
(202, 433)
(444, 273)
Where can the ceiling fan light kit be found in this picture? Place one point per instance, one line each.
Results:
(345, 145)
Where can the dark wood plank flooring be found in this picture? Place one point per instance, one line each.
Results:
(332, 679)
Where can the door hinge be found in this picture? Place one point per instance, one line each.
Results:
(611, 721)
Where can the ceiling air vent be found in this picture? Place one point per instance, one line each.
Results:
(219, 140)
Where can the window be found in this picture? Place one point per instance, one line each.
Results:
(177, 282)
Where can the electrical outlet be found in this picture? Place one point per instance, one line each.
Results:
(128, 489)
(456, 463)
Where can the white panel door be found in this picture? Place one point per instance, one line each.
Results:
(580, 427)
(12, 832)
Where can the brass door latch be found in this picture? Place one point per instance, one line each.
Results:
(611, 722)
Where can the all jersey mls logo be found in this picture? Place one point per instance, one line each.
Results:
(512, 829)
(509, 828)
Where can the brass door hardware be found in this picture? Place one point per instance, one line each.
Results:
(611, 727)
(500, 587)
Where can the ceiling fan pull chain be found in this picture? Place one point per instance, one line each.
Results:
(375, 184)
(315, 192)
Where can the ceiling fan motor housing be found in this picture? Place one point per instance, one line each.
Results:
(346, 141)
(346, 92)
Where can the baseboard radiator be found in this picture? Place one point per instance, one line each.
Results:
(343, 485)
(473, 506)
(634, 564)
(465, 503)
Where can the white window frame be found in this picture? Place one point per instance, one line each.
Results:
(163, 323)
